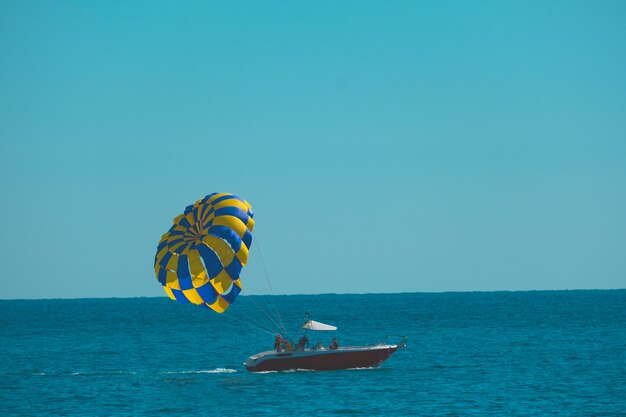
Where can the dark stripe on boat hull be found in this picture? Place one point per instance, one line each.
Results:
(324, 361)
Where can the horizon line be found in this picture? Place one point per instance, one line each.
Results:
(329, 293)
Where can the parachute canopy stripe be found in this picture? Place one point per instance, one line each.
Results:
(247, 239)
(224, 197)
(211, 261)
(232, 294)
(165, 259)
(234, 269)
(231, 222)
(222, 282)
(161, 276)
(180, 297)
(220, 305)
(195, 265)
(205, 212)
(232, 211)
(181, 248)
(221, 248)
(193, 296)
(175, 241)
(227, 234)
(183, 267)
(207, 292)
(185, 283)
(200, 258)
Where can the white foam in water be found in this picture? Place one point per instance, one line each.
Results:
(105, 373)
(218, 371)
(206, 371)
(286, 371)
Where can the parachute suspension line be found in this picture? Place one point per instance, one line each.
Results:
(269, 284)
(272, 323)
(250, 324)
(267, 311)
(269, 317)
(248, 311)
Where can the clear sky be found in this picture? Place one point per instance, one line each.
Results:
(384, 146)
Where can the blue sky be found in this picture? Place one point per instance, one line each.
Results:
(411, 146)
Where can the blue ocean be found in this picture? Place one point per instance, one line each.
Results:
(539, 353)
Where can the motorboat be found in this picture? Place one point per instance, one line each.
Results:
(320, 358)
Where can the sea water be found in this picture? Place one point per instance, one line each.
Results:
(483, 354)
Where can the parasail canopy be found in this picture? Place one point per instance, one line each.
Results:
(316, 325)
(200, 257)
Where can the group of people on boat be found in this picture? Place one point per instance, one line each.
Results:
(283, 344)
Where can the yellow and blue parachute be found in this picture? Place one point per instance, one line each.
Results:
(200, 258)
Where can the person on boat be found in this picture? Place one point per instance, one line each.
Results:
(288, 346)
(302, 342)
(334, 345)
(278, 342)
(320, 346)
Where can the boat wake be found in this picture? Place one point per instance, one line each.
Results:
(286, 371)
(121, 373)
(206, 371)
(289, 371)
(103, 373)
(85, 373)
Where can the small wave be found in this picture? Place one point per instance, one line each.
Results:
(289, 371)
(98, 373)
(286, 371)
(206, 371)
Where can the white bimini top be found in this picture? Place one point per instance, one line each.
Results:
(316, 325)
